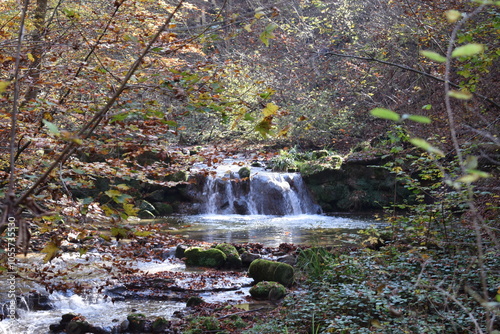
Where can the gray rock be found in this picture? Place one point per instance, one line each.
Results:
(247, 258)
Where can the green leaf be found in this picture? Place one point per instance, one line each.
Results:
(423, 144)
(385, 114)
(264, 127)
(471, 162)
(433, 56)
(51, 127)
(427, 107)
(171, 123)
(420, 119)
(461, 95)
(248, 117)
(267, 34)
(479, 173)
(468, 50)
(79, 171)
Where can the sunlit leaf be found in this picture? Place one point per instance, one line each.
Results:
(113, 193)
(119, 232)
(270, 109)
(433, 56)
(122, 186)
(143, 233)
(130, 209)
(419, 119)
(385, 114)
(453, 15)
(248, 27)
(469, 178)
(51, 127)
(427, 107)
(50, 250)
(30, 57)
(423, 144)
(461, 95)
(259, 12)
(468, 50)
(3, 86)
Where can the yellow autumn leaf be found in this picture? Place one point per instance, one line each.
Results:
(122, 186)
(30, 57)
(270, 109)
(50, 250)
(3, 86)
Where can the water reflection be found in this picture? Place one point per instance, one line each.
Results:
(272, 230)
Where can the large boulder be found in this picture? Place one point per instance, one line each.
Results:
(212, 257)
(265, 270)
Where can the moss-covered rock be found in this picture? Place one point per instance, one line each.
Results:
(233, 259)
(244, 172)
(160, 325)
(137, 322)
(163, 209)
(78, 327)
(194, 301)
(268, 290)
(356, 186)
(265, 270)
(212, 257)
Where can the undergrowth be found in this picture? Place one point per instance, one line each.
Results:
(398, 288)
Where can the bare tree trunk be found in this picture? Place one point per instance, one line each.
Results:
(37, 51)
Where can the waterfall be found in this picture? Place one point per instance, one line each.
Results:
(263, 193)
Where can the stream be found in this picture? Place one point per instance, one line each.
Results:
(271, 231)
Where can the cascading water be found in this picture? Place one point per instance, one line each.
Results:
(263, 193)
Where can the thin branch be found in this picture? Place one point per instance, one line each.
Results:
(92, 49)
(13, 129)
(406, 68)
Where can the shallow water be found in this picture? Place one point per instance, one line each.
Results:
(318, 230)
(268, 230)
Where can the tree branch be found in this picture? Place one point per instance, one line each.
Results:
(87, 129)
(13, 126)
(406, 68)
